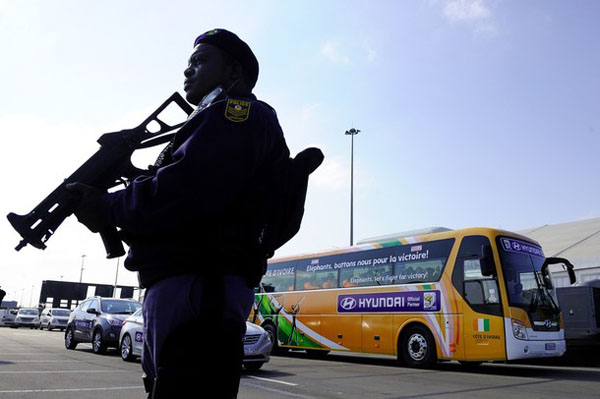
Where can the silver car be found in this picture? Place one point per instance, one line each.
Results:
(257, 346)
(54, 318)
(27, 317)
(257, 342)
(7, 317)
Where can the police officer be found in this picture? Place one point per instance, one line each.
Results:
(193, 226)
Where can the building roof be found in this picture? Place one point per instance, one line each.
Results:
(577, 241)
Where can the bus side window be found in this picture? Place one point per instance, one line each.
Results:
(481, 292)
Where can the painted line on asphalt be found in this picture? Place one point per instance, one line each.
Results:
(42, 361)
(271, 380)
(25, 335)
(71, 389)
(279, 391)
(67, 371)
(31, 354)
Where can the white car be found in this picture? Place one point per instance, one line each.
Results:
(27, 317)
(132, 336)
(54, 318)
(7, 317)
(257, 342)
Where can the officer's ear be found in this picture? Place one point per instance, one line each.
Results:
(238, 83)
(237, 72)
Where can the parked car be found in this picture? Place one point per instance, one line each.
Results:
(257, 342)
(132, 336)
(54, 318)
(7, 317)
(27, 317)
(98, 320)
(257, 346)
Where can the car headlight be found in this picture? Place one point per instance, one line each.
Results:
(114, 322)
(519, 330)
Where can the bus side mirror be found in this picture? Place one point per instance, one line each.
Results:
(488, 268)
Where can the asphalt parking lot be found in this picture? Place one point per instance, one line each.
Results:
(35, 364)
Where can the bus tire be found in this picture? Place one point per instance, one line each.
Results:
(417, 347)
(272, 331)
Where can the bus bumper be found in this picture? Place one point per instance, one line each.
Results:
(548, 344)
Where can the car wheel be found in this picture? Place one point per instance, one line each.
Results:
(70, 342)
(253, 366)
(98, 345)
(417, 347)
(127, 348)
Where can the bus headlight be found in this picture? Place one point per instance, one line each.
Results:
(519, 330)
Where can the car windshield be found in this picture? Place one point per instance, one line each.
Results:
(521, 265)
(60, 312)
(28, 312)
(120, 307)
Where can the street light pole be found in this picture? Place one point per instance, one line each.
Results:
(81, 273)
(116, 277)
(352, 132)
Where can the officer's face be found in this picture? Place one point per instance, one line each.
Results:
(206, 70)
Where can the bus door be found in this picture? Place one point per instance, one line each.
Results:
(476, 279)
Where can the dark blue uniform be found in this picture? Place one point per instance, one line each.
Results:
(192, 230)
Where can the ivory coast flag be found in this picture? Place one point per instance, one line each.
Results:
(481, 325)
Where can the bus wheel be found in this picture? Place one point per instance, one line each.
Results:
(417, 347)
(272, 331)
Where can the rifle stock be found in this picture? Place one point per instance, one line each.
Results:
(108, 167)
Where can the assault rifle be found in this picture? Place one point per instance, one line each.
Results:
(108, 167)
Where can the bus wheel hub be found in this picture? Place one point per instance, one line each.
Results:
(417, 347)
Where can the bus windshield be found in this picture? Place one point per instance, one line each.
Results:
(521, 264)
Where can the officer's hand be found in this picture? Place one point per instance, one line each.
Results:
(87, 211)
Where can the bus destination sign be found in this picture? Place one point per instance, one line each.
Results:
(518, 246)
(402, 301)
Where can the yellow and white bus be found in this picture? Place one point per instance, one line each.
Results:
(470, 295)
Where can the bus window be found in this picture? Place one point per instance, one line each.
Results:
(419, 272)
(479, 291)
(316, 280)
(279, 278)
(365, 276)
(278, 284)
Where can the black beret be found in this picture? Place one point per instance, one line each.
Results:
(235, 47)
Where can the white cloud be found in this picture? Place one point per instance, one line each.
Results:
(466, 10)
(473, 13)
(371, 54)
(332, 175)
(332, 51)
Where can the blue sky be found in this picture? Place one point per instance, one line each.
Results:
(472, 112)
